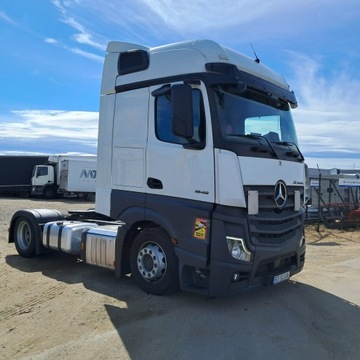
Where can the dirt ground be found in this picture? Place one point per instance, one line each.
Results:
(52, 307)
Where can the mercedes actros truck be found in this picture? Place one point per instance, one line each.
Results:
(200, 182)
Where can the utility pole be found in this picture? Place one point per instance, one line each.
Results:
(319, 197)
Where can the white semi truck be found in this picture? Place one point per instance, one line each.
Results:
(200, 181)
(65, 175)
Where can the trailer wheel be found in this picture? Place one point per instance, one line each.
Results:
(24, 237)
(153, 262)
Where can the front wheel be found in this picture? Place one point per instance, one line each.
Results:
(49, 193)
(154, 265)
(24, 237)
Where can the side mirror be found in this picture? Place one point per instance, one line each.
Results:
(182, 109)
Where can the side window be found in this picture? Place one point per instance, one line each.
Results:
(163, 115)
(42, 171)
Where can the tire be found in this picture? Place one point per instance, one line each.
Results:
(153, 262)
(49, 193)
(25, 237)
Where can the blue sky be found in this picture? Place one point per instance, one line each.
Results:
(52, 54)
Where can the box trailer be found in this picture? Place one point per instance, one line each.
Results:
(16, 172)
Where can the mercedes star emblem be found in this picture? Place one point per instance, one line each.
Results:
(280, 194)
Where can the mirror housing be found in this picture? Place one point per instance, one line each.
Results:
(182, 110)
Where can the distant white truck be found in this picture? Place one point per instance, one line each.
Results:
(65, 176)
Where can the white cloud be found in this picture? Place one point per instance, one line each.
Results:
(154, 22)
(51, 41)
(52, 129)
(8, 19)
(184, 16)
(75, 50)
(83, 35)
(326, 119)
(86, 54)
(242, 20)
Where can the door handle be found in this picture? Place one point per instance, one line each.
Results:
(153, 183)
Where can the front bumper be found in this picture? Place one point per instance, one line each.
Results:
(223, 278)
(232, 279)
(37, 190)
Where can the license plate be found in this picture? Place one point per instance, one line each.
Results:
(281, 277)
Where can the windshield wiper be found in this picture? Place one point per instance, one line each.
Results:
(296, 153)
(258, 137)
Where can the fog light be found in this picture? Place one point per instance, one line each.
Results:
(238, 249)
(235, 277)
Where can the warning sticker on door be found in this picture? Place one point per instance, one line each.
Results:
(200, 228)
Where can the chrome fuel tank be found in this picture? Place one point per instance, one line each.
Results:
(98, 246)
(65, 235)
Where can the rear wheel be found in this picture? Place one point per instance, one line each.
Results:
(24, 237)
(154, 264)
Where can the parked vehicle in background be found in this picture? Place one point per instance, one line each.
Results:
(16, 172)
(65, 175)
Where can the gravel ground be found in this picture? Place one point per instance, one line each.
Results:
(53, 307)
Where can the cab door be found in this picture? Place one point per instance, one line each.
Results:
(43, 175)
(176, 166)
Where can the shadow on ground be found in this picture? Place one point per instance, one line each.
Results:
(292, 320)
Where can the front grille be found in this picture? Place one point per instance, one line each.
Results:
(274, 226)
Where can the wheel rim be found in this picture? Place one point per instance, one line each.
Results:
(151, 262)
(24, 235)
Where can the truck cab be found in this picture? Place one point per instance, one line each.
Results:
(43, 181)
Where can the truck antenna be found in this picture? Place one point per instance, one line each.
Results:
(257, 60)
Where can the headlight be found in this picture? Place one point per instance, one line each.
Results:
(238, 249)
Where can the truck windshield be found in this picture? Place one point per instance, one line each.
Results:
(253, 116)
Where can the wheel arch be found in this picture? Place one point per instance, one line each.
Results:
(154, 217)
(37, 217)
(135, 221)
